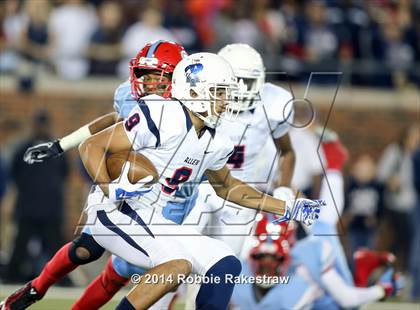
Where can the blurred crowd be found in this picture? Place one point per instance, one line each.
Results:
(375, 43)
(383, 201)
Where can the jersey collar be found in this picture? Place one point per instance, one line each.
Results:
(189, 124)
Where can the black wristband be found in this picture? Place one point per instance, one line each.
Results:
(58, 146)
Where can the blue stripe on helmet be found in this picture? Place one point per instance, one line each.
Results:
(153, 48)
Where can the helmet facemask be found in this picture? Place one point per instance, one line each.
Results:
(249, 69)
(218, 101)
(268, 264)
(147, 81)
(270, 255)
(248, 96)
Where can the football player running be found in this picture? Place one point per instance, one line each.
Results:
(150, 73)
(179, 137)
(299, 275)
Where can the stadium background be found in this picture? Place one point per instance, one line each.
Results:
(71, 71)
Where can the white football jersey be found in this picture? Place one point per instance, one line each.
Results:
(251, 130)
(162, 130)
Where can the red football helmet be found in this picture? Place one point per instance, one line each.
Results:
(271, 255)
(159, 57)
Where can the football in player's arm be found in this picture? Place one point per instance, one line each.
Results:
(114, 139)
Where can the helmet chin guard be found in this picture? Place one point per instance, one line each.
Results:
(197, 82)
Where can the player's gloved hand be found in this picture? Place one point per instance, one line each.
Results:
(302, 210)
(284, 193)
(391, 282)
(42, 151)
(122, 188)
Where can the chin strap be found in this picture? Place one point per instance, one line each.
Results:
(209, 121)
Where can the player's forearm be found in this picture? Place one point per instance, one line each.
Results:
(93, 151)
(286, 168)
(76, 137)
(286, 161)
(348, 296)
(103, 122)
(245, 195)
(93, 158)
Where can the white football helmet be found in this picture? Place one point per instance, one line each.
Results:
(195, 82)
(248, 66)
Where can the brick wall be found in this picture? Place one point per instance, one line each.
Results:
(362, 129)
(365, 130)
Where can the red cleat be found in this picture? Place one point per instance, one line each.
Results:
(21, 299)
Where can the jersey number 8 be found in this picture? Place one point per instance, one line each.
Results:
(181, 175)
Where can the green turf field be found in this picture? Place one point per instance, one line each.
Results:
(62, 299)
(61, 304)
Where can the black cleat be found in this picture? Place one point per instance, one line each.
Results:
(21, 299)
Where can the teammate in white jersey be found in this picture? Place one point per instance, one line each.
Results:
(265, 113)
(179, 138)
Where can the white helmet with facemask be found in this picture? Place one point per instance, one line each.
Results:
(248, 67)
(197, 79)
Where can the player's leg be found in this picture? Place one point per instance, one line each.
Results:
(82, 250)
(126, 270)
(221, 220)
(149, 291)
(124, 233)
(211, 258)
(166, 302)
(214, 260)
(115, 275)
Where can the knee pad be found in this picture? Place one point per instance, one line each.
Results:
(85, 249)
